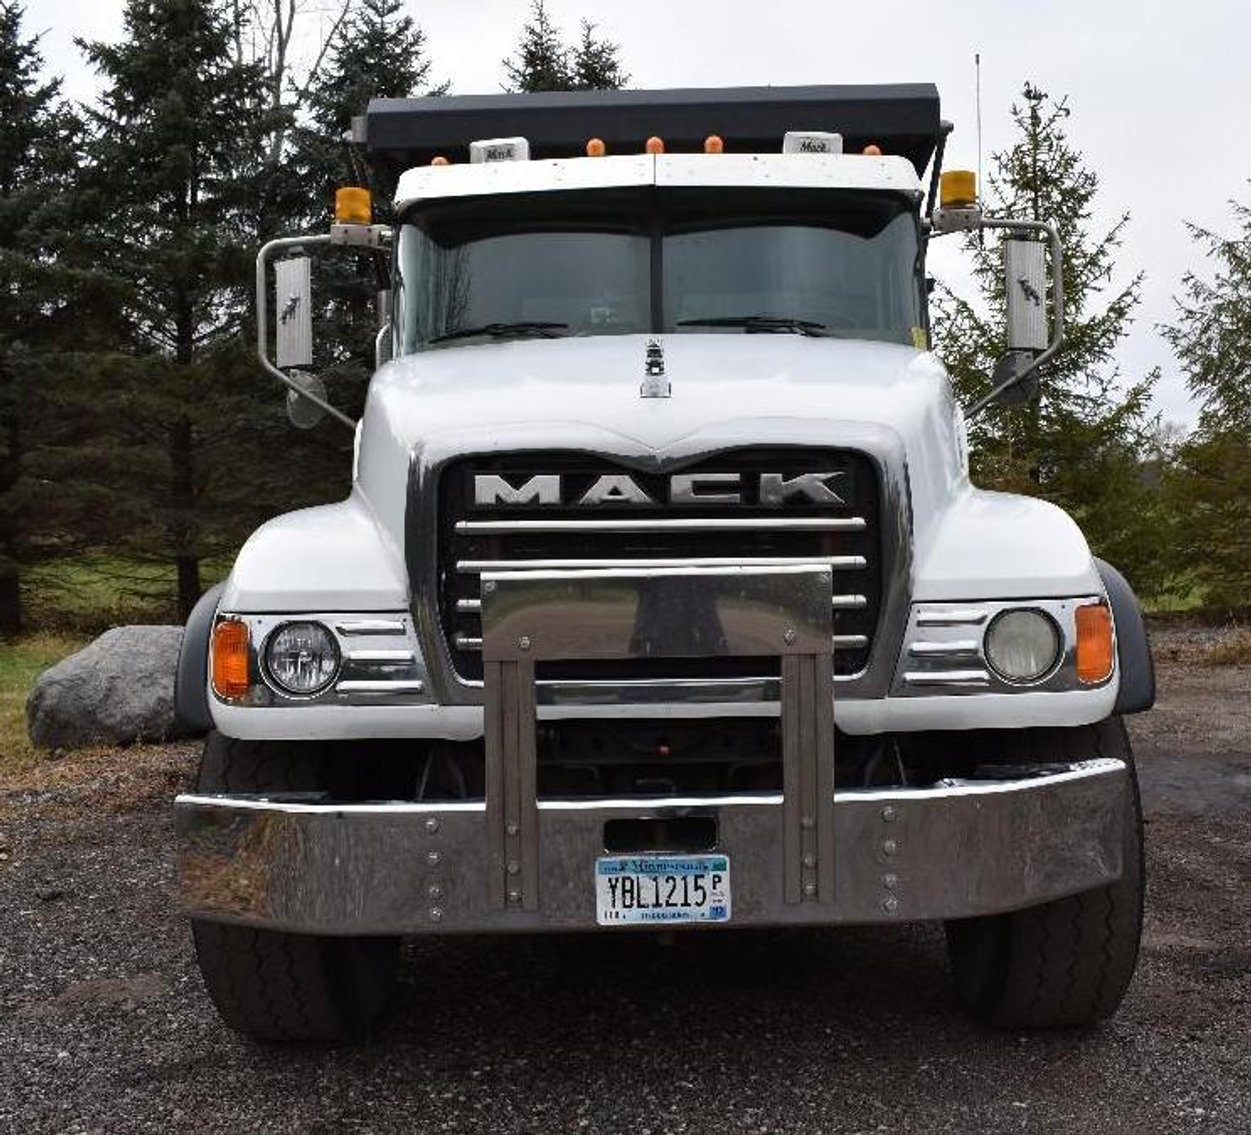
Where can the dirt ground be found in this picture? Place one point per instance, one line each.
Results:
(104, 1026)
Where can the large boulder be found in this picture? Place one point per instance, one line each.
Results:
(116, 690)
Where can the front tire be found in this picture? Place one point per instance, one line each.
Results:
(273, 985)
(1068, 962)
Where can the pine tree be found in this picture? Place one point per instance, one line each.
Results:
(1212, 481)
(1081, 443)
(596, 65)
(175, 145)
(36, 158)
(542, 61)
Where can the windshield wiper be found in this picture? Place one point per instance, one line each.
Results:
(503, 330)
(760, 324)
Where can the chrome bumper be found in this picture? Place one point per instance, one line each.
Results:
(949, 851)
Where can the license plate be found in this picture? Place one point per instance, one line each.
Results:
(662, 888)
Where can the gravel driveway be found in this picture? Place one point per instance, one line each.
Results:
(104, 1025)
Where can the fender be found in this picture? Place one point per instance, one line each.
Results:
(1133, 650)
(191, 707)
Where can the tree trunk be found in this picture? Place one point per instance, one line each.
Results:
(10, 521)
(183, 519)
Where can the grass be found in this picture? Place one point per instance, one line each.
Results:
(87, 594)
(21, 662)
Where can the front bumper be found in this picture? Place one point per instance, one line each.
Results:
(949, 851)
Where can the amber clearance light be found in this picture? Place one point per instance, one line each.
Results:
(230, 659)
(1094, 643)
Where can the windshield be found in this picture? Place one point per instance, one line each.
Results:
(645, 260)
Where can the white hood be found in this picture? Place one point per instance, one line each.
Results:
(585, 393)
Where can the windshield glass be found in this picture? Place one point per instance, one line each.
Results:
(643, 260)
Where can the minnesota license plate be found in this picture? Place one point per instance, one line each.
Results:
(662, 888)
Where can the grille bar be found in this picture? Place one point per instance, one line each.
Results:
(838, 602)
(839, 563)
(683, 524)
(838, 642)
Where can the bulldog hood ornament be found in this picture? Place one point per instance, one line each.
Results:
(655, 384)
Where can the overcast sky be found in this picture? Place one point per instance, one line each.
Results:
(1159, 91)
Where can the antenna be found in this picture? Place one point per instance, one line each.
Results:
(981, 185)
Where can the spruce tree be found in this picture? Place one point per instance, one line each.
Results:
(176, 140)
(545, 62)
(36, 159)
(596, 65)
(542, 59)
(1211, 483)
(1081, 442)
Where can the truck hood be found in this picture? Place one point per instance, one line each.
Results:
(726, 389)
(714, 378)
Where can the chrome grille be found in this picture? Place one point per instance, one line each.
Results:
(474, 538)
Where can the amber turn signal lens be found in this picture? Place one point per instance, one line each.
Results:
(230, 659)
(353, 206)
(1094, 643)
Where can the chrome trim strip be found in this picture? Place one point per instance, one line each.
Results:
(957, 617)
(370, 626)
(947, 678)
(839, 563)
(964, 646)
(381, 686)
(838, 602)
(839, 642)
(389, 657)
(693, 524)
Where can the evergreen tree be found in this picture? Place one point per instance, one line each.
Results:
(171, 169)
(1080, 443)
(36, 159)
(545, 62)
(542, 60)
(596, 65)
(1212, 481)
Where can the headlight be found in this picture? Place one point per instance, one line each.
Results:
(302, 658)
(1022, 645)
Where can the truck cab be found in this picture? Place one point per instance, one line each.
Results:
(662, 598)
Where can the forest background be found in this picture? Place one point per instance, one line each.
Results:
(140, 444)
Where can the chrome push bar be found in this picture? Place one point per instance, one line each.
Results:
(530, 617)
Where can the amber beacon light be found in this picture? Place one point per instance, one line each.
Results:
(958, 189)
(353, 206)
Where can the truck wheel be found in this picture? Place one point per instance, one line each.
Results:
(1068, 962)
(273, 985)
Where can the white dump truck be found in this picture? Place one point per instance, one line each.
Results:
(662, 599)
